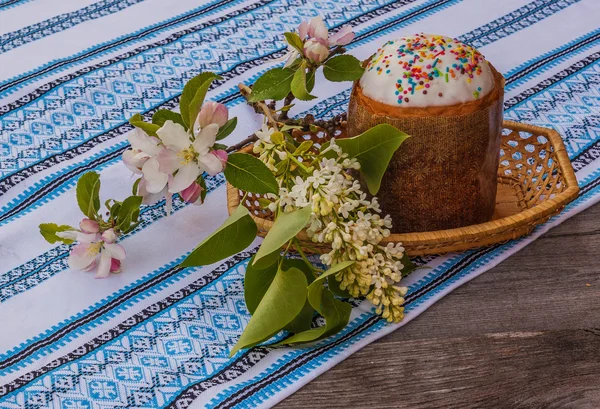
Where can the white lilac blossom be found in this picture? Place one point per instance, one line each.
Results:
(94, 250)
(343, 216)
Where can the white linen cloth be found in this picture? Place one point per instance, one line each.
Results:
(156, 335)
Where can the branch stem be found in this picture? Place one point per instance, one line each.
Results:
(245, 91)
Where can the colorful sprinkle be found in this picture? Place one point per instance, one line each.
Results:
(423, 59)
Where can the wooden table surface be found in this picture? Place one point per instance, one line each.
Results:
(525, 334)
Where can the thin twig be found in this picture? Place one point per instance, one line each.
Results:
(337, 50)
(245, 91)
(288, 100)
(241, 144)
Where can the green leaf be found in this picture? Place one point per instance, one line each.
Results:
(295, 41)
(163, 115)
(336, 314)
(88, 194)
(189, 94)
(374, 149)
(128, 212)
(134, 188)
(268, 260)
(264, 202)
(343, 68)
(409, 266)
(310, 80)
(49, 230)
(304, 319)
(198, 99)
(286, 226)
(220, 146)
(298, 84)
(256, 283)
(282, 302)
(304, 147)
(238, 231)
(258, 278)
(273, 84)
(227, 129)
(204, 191)
(113, 208)
(250, 174)
(316, 288)
(288, 127)
(138, 122)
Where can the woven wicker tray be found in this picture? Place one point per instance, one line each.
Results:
(535, 182)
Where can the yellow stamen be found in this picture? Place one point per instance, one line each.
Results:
(94, 248)
(187, 156)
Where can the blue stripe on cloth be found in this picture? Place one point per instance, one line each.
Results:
(493, 25)
(9, 210)
(540, 64)
(422, 282)
(62, 129)
(198, 336)
(56, 24)
(517, 20)
(13, 84)
(9, 4)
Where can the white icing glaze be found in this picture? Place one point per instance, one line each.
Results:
(426, 70)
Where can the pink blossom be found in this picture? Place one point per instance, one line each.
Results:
(93, 251)
(89, 226)
(109, 236)
(192, 193)
(115, 265)
(222, 155)
(213, 113)
(344, 36)
(303, 30)
(316, 50)
(143, 147)
(317, 29)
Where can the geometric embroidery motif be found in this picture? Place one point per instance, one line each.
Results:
(148, 365)
(104, 98)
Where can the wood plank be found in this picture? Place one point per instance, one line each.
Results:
(520, 335)
(557, 369)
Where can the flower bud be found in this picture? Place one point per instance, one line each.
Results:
(192, 193)
(115, 265)
(213, 113)
(134, 160)
(303, 30)
(317, 29)
(222, 155)
(342, 37)
(316, 50)
(109, 236)
(89, 226)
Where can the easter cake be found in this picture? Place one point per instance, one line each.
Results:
(449, 99)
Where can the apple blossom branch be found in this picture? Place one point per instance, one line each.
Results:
(277, 120)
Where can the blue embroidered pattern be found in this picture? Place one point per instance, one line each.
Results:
(181, 340)
(177, 348)
(61, 120)
(56, 24)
